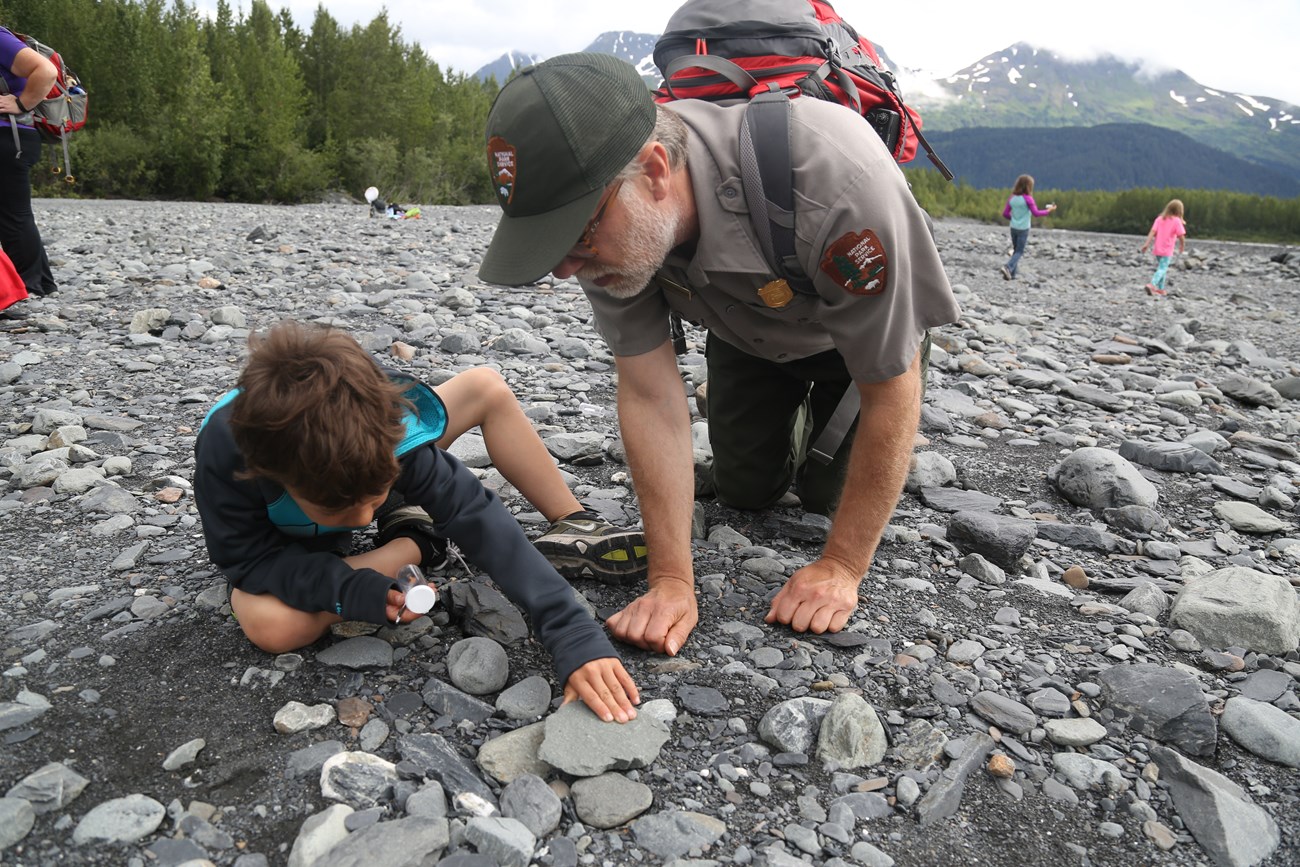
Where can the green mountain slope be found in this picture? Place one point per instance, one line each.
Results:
(1106, 157)
(1026, 87)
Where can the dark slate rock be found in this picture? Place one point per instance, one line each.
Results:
(703, 700)
(1005, 713)
(1266, 685)
(1236, 488)
(483, 610)
(307, 761)
(997, 538)
(1250, 391)
(944, 797)
(1234, 830)
(1170, 457)
(440, 761)
(445, 699)
(1096, 396)
(958, 500)
(1086, 538)
(865, 805)
(1164, 703)
(407, 842)
(673, 834)
(171, 853)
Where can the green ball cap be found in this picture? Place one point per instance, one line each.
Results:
(557, 134)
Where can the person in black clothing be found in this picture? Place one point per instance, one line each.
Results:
(317, 438)
(28, 77)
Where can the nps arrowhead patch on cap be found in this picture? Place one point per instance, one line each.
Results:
(857, 262)
(504, 165)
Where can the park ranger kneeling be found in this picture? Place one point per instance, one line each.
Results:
(646, 206)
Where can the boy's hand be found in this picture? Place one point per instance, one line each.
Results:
(604, 686)
(396, 599)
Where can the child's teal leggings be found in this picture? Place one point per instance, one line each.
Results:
(1162, 271)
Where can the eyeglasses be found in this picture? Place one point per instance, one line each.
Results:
(585, 248)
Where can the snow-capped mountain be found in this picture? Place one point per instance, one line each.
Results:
(1023, 86)
(506, 64)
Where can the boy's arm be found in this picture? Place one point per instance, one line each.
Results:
(257, 558)
(488, 535)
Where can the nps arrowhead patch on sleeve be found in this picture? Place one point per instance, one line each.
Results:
(857, 262)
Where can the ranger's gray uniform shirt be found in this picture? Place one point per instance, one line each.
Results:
(854, 214)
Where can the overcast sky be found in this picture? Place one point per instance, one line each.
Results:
(1249, 46)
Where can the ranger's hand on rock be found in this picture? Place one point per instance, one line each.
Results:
(661, 620)
(820, 597)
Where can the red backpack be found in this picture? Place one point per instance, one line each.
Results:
(62, 111)
(723, 50)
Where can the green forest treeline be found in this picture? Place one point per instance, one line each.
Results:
(247, 106)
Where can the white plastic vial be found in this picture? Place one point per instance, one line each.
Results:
(421, 596)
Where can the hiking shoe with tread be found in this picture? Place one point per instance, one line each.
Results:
(1006, 273)
(585, 545)
(413, 523)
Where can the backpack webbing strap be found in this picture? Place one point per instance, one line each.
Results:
(828, 442)
(767, 173)
(733, 72)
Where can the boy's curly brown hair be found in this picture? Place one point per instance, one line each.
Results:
(316, 414)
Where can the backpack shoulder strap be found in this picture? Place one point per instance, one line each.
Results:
(767, 173)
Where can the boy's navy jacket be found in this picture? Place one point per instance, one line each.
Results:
(256, 556)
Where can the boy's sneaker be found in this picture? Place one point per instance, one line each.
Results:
(1006, 273)
(585, 545)
(413, 523)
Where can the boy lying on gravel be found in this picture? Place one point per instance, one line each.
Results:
(317, 439)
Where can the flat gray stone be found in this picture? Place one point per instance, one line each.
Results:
(28, 707)
(364, 651)
(958, 500)
(1249, 518)
(999, 539)
(51, 787)
(1164, 703)
(121, 820)
(579, 743)
(528, 799)
(1170, 457)
(674, 834)
(508, 842)
(1075, 732)
(1263, 729)
(507, 756)
(1239, 607)
(1235, 831)
(1005, 713)
(1090, 775)
(445, 699)
(529, 698)
(409, 842)
(610, 800)
(16, 820)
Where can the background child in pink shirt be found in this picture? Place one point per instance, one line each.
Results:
(1167, 229)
